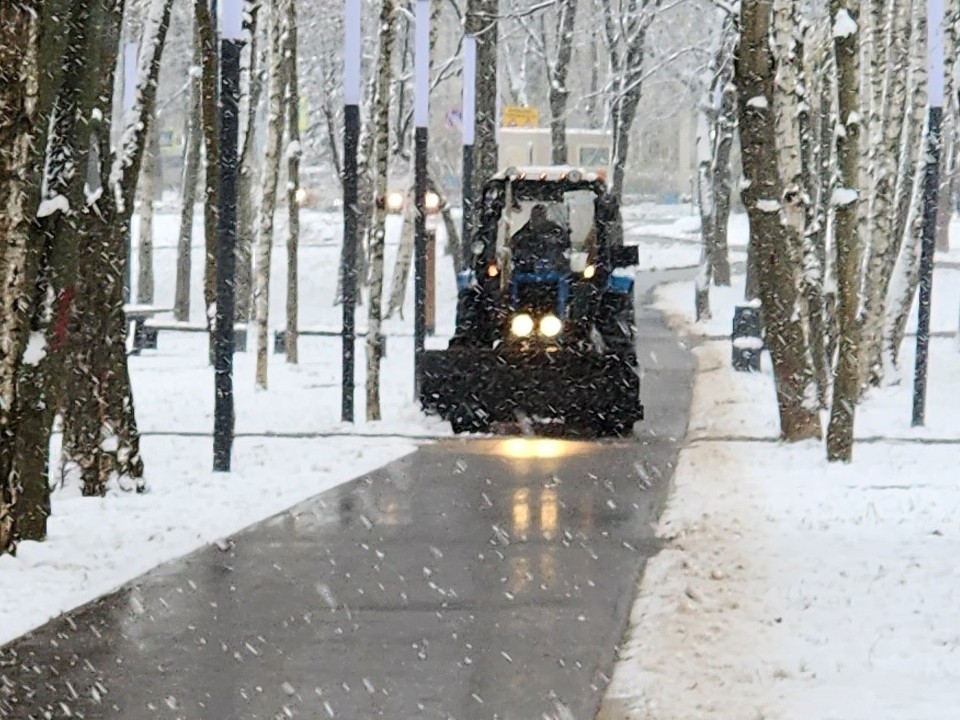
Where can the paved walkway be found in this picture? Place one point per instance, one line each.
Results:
(486, 578)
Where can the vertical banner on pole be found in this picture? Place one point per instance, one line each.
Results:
(351, 141)
(469, 137)
(931, 192)
(421, 117)
(231, 46)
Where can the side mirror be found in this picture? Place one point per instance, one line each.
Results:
(624, 256)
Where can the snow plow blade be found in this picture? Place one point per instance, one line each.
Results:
(474, 387)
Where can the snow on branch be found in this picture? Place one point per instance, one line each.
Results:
(126, 163)
(843, 24)
(844, 196)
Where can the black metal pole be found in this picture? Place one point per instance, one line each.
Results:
(419, 252)
(223, 416)
(469, 138)
(465, 245)
(351, 142)
(931, 189)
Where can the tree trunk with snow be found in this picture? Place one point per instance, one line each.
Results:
(381, 143)
(19, 87)
(726, 128)
(903, 269)
(948, 153)
(100, 431)
(715, 129)
(777, 277)
(845, 14)
(148, 191)
(482, 22)
(293, 179)
(558, 72)
(249, 163)
(705, 201)
(626, 35)
(269, 204)
(191, 176)
(886, 127)
(813, 248)
(210, 74)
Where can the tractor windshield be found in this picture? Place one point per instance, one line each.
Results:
(549, 235)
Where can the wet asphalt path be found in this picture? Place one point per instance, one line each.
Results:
(473, 579)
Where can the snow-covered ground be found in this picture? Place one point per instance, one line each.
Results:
(95, 545)
(789, 588)
(291, 444)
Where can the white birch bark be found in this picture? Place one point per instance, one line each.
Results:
(381, 143)
(270, 181)
(846, 32)
(904, 274)
(19, 83)
(148, 191)
(294, 152)
(886, 126)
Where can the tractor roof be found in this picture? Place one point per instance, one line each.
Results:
(548, 173)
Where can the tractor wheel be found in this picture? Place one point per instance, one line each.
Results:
(613, 424)
(469, 418)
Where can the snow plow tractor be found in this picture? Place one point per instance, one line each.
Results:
(545, 317)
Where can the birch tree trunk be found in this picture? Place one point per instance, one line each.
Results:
(210, 74)
(726, 127)
(845, 15)
(381, 143)
(707, 214)
(904, 270)
(191, 175)
(813, 250)
(559, 92)
(38, 385)
(19, 88)
(148, 190)
(247, 190)
(948, 154)
(886, 127)
(777, 279)
(715, 128)
(293, 180)
(481, 22)
(626, 34)
(271, 177)
(100, 431)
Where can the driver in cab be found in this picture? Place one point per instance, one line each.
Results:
(539, 245)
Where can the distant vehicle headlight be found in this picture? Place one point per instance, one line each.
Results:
(301, 196)
(395, 202)
(550, 326)
(589, 271)
(431, 202)
(521, 325)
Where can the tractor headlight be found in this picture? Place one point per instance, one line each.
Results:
(550, 326)
(521, 325)
(589, 271)
(431, 202)
(301, 196)
(395, 202)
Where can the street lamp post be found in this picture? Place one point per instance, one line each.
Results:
(469, 136)
(351, 142)
(421, 118)
(231, 45)
(931, 188)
